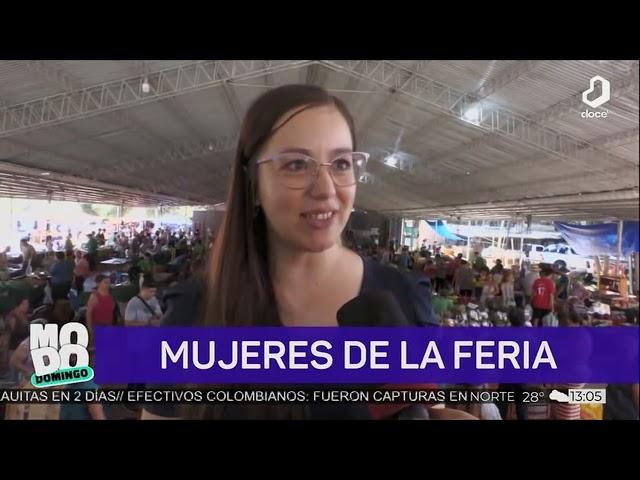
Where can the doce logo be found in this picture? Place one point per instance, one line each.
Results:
(604, 97)
(605, 94)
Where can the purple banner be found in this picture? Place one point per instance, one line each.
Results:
(328, 355)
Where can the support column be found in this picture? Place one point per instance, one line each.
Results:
(630, 278)
(619, 263)
(468, 241)
(636, 273)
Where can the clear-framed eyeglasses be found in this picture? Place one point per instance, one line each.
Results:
(299, 171)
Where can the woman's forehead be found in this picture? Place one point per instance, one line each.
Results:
(314, 128)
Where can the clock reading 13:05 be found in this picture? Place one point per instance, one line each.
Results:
(587, 395)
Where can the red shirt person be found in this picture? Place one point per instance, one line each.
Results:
(101, 306)
(542, 292)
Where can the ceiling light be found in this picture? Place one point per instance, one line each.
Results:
(146, 88)
(392, 161)
(210, 147)
(468, 173)
(45, 173)
(472, 115)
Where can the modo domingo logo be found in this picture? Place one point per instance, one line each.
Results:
(604, 87)
(58, 349)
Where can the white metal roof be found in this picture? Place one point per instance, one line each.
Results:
(479, 138)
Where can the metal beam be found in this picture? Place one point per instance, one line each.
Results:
(495, 83)
(124, 93)
(390, 97)
(69, 84)
(491, 118)
(504, 77)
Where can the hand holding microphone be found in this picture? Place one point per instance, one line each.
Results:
(381, 309)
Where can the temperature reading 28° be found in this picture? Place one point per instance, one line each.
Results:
(533, 397)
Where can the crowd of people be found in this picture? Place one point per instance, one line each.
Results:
(527, 295)
(543, 288)
(72, 273)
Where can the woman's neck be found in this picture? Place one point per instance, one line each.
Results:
(289, 266)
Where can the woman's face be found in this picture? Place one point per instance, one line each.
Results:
(104, 284)
(310, 219)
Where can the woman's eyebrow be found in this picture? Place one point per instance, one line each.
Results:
(304, 151)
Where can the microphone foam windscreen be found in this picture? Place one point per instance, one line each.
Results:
(372, 309)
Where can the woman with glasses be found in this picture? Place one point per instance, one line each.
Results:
(278, 259)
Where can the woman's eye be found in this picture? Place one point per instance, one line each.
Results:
(295, 165)
(342, 164)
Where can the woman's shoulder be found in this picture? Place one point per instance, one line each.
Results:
(411, 289)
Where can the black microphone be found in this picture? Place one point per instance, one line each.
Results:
(378, 308)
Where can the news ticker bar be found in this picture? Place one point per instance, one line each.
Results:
(284, 396)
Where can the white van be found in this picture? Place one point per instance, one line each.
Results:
(535, 252)
(561, 254)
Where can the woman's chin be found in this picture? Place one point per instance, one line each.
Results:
(317, 246)
(318, 242)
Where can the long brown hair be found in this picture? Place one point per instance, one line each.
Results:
(239, 289)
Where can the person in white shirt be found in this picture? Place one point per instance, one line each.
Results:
(143, 309)
(527, 284)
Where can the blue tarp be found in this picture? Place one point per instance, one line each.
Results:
(442, 230)
(601, 239)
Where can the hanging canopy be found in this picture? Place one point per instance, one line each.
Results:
(601, 239)
(441, 229)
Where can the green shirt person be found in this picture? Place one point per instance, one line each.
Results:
(146, 265)
(478, 262)
(68, 244)
(92, 245)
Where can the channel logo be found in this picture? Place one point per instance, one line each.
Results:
(604, 97)
(57, 349)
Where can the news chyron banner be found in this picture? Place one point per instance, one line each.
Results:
(346, 355)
